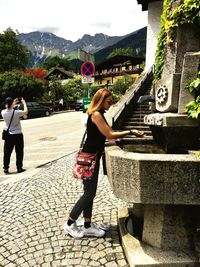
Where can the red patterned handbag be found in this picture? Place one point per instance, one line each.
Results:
(84, 165)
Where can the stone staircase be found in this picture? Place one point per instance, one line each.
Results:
(135, 112)
(128, 114)
(135, 119)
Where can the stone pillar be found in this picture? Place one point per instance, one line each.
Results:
(190, 69)
(167, 90)
(153, 28)
(170, 227)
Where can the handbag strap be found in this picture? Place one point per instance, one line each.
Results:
(83, 139)
(11, 120)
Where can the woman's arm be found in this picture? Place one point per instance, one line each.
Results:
(25, 111)
(108, 132)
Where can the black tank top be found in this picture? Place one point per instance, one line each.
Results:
(95, 139)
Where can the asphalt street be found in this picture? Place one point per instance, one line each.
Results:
(46, 139)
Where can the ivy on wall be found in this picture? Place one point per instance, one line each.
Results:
(175, 13)
(193, 107)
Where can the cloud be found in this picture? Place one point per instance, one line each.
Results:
(101, 25)
(52, 29)
(72, 19)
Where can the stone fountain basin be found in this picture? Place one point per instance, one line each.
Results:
(154, 178)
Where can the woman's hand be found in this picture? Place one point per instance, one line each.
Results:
(23, 101)
(137, 133)
(15, 101)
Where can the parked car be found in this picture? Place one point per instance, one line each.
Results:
(78, 105)
(35, 110)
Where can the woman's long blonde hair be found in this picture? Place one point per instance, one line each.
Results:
(97, 100)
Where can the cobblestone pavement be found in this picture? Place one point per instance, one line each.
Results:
(33, 210)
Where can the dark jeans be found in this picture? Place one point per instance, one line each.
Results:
(17, 141)
(85, 203)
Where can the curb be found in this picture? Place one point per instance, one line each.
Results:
(129, 243)
(32, 171)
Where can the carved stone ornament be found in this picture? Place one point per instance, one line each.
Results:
(154, 119)
(161, 94)
(159, 121)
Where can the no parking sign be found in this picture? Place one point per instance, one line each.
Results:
(87, 69)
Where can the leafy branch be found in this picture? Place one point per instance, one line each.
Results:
(193, 107)
(175, 13)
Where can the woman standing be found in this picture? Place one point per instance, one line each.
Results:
(15, 138)
(97, 132)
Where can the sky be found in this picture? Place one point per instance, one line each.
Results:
(71, 19)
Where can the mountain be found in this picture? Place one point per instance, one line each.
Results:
(135, 40)
(94, 43)
(43, 45)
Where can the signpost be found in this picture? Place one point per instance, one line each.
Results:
(86, 102)
(87, 70)
(87, 79)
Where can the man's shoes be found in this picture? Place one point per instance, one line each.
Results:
(93, 230)
(6, 171)
(73, 230)
(21, 170)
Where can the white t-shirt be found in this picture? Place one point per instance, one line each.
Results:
(15, 127)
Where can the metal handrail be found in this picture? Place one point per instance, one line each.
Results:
(131, 95)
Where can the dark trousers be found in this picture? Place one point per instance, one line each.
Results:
(17, 141)
(85, 203)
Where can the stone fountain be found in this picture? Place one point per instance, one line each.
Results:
(164, 185)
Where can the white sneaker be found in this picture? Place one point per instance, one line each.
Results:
(73, 230)
(93, 230)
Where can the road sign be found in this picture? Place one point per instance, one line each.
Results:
(86, 102)
(87, 69)
(87, 79)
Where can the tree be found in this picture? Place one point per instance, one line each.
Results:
(16, 84)
(37, 73)
(56, 61)
(74, 89)
(54, 90)
(120, 86)
(121, 52)
(13, 55)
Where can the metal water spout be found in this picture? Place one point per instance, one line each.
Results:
(145, 98)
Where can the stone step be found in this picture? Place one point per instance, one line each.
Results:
(134, 124)
(135, 117)
(135, 111)
(142, 109)
(135, 121)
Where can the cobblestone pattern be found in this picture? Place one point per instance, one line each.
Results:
(32, 213)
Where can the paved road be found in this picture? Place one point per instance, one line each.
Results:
(35, 204)
(46, 139)
(33, 208)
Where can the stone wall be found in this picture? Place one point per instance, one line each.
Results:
(154, 13)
